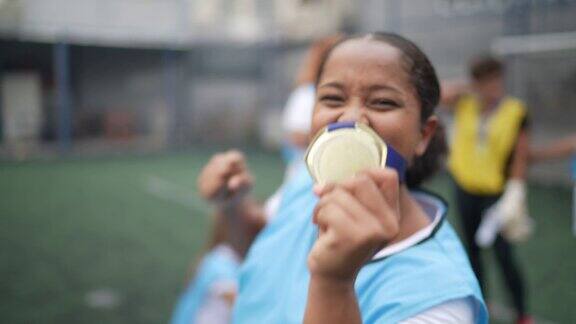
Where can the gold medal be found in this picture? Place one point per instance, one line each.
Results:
(341, 150)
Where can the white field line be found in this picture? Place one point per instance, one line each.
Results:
(103, 298)
(172, 192)
(506, 314)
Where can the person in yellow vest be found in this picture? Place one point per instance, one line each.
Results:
(488, 161)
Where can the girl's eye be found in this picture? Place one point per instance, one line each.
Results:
(331, 100)
(384, 104)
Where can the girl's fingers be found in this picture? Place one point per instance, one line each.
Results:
(349, 226)
(388, 184)
(325, 197)
(236, 161)
(357, 214)
(317, 189)
(370, 199)
(239, 181)
(321, 204)
(323, 189)
(374, 213)
(225, 174)
(232, 162)
(370, 205)
(336, 221)
(365, 189)
(350, 203)
(223, 165)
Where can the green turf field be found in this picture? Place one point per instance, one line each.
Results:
(131, 226)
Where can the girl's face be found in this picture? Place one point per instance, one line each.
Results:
(365, 81)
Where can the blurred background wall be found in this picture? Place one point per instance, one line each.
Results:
(107, 76)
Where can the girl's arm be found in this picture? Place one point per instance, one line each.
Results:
(451, 92)
(226, 182)
(355, 219)
(520, 158)
(558, 149)
(332, 301)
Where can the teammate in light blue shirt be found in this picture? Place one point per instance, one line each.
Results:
(207, 297)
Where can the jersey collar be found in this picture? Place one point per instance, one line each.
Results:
(435, 208)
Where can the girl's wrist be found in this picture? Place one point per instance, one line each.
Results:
(332, 285)
(332, 300)
(231, 208)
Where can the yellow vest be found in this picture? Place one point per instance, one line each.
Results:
(477, 164)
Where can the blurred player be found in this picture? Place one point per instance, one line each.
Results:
(297, 114)
(209, 297)
(488, 161)
(560, 149)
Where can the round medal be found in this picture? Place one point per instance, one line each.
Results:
(341, 150)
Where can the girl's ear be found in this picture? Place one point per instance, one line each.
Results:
(427, 131)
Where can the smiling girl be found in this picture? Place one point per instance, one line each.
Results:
(367, 249)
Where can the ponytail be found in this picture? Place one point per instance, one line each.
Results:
(426, 165)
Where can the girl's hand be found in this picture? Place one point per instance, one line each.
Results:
(356, 218)
(225, 178)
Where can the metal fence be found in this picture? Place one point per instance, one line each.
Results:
(111, 98)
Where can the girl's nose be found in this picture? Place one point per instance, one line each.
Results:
(354, 114)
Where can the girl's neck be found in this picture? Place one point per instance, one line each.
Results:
(412, 216)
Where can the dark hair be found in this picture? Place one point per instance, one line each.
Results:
(484, 67)
(425, 81)
(426, 165)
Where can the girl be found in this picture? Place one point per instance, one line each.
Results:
(366, 249)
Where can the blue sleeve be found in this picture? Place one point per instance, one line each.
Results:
(213, 268)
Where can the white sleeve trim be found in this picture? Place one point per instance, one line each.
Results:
(457, 311)
(435, 210)
(215, 309)
(297, 115)
(223, 287)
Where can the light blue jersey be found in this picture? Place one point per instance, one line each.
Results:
(274, 277)
(218, 266)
